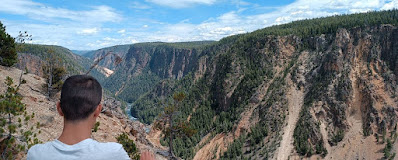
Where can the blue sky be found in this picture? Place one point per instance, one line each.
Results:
(88, 25)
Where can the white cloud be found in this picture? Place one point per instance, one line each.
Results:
(138, 5)
(47, 42)
(235, 22)
(89, 31)
(282, 19)
(121, 31)
(42, 12)
(109, 41)
(134, 41)
(230, 17)
(182, 3)
(390, 5)
(91, 22)
(240, 3)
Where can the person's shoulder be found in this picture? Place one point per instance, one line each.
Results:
(109, 145)
(112, 148)
(36, 150)
(38, 147)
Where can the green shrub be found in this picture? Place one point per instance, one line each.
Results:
(338, 137)
(129, 146)
(11, 107)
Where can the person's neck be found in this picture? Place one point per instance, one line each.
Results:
(75, 132)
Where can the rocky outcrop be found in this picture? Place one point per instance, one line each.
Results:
(173, 62)
(108, 62)
(30, 62)
(347, 82)
(147, 64)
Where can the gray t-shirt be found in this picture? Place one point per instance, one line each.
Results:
(87, 149)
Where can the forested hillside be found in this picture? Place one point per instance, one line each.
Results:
(33, 57)
(315, 76)
(146, 64)
(108, 62)
(321, 88)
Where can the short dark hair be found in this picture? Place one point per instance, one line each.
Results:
(80, 96)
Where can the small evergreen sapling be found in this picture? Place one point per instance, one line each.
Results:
(12, 118)
(129, 146)
(95, 129)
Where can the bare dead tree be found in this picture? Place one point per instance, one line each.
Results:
(54, 71)
(118, 60)
(171, 127)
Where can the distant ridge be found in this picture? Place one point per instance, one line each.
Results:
(80, 52)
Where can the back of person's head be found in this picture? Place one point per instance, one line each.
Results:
(80, 96)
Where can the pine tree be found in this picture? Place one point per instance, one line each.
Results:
(171, 127)
(54, 72)
(129, 146)
(8, 54)
(11, 109)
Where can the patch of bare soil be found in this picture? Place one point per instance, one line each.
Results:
(295, 102)
(154, 137)
(324, 133)
(355, 145)
(245, 123)
(395, 149)
(219, 144)
(383, 97)
(379, 87)
(214, 148)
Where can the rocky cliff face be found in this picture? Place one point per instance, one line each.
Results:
(331, 96)
(108, 62)
(173, 62)
(163, 60)
(147, 64)
(349, 92)
(32, 63)
(32, 57)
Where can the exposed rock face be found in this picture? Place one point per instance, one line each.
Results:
(348, 87)
(173, 62)
(163, 60)
(108, 62)
(347, 82)
(145, 65)
(33, 57)
(31, 62)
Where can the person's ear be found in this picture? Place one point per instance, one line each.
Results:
(98, 111)
(59, 109)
